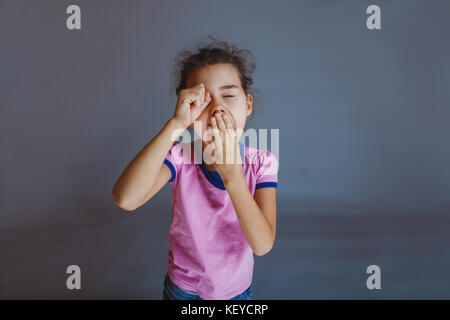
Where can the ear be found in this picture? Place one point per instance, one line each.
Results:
(249, 104)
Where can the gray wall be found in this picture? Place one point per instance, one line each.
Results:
(364, 156)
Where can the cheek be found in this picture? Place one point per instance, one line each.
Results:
(241, 124)
(239, 119)
(239, 111)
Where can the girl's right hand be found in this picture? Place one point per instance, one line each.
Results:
(190, 104)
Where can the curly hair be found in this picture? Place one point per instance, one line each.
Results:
(215, 52)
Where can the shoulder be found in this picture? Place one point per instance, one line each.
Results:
(179, 151)
(262, 160)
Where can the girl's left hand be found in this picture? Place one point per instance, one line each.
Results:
(227, 158)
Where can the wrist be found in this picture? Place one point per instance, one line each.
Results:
(175, 128)
(233, 176)
(177, 123)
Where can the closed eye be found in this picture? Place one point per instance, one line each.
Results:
(228, 96)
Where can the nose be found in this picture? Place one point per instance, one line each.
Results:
(218, 109)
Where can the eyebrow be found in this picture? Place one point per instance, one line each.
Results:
(229, 86)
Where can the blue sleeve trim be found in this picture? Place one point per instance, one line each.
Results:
(172, 169)
(266, 184)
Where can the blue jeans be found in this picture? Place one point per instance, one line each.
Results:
(173, 292)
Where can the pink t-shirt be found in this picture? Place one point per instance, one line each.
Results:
(208, 251)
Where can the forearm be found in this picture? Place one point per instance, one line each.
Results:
(254, 224)
(140, 174)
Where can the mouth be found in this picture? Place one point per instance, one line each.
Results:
(209, 124)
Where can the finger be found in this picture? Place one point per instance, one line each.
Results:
(197, 94)
(200, 103)
(225, 125)
(228, 122)
(220, 122)
(200, 95)
(231, 140)
(229, 129)
(218, 144)
(194, 100)
(228, 148)
(218, 155)
(206, 100)
(215, 124)
(215, 129)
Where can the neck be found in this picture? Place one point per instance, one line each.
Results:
(209, 167)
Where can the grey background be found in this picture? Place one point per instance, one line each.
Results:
(364, 154)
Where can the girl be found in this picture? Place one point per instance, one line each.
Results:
(223, 212)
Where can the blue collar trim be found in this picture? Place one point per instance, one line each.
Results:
(214, 176)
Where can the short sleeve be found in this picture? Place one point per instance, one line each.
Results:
(267, 173)
(173, 161)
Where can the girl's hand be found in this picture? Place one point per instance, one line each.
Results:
(190, 104)
(227, 158)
